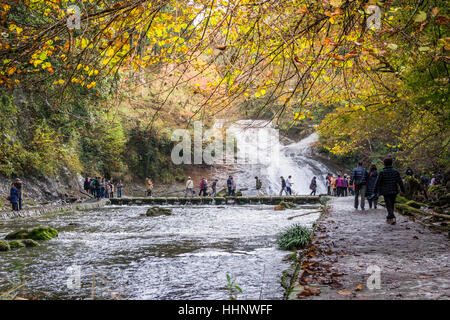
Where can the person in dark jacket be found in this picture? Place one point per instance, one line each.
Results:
(387, 184)
(409, 172)
(283, 186)
(359, 179)
(371, 195)
(14, 197)
(18, 185)
(229, 183)
(313, 186)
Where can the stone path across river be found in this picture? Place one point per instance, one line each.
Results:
(414, 261)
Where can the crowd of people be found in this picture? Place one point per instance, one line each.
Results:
(362, 184)
(102, 188)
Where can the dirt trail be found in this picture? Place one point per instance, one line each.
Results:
(414, 261)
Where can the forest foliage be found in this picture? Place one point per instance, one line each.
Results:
(370, 91)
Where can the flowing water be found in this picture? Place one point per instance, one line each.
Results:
(118, 252)
(183, 256)
(268, 159)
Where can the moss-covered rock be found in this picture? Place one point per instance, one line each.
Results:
(42, 233)
(416, 204)
(239, 194)
(30, 243)
(16, 244)
(4, 245)
(404, 209)
(17, 235)
(158, 211)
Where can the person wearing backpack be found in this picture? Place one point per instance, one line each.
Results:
(189, 187)
(359, 178)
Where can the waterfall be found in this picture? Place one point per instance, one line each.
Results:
(258, 143)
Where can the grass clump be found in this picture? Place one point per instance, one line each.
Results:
(294, 237)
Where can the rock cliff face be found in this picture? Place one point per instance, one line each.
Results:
(44, 189)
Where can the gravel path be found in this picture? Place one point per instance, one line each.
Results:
(414, 261)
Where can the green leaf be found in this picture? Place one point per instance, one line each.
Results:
(421, 16)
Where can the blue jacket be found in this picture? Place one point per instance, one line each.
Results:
(229, 182)
(14, 195)
(359, 176)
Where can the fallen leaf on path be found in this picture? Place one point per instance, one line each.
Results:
(345, 292)
(309, 291)
(359, 287)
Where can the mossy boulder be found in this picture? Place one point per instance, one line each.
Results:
(286, 205)
(158, 211)
(4, 245)
(437, 192)
(239, 194)
(16, 244)
(21, 234)
(30, 243)
(404, 209)
(42, 233)
(415, 204)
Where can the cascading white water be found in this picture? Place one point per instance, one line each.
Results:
(258, 142)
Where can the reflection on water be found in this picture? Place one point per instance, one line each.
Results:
(183, 256)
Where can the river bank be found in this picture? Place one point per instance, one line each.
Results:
(410, 260)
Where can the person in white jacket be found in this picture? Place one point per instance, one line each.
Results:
(189, 187)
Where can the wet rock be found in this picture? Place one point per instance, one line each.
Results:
(158, 211)
(4, 245)
(40, 233)
(278, 208)
(30, 243)
(21, 234)
(16, 244)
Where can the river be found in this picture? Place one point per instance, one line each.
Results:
(183, 256)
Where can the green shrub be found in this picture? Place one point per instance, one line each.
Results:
(294, 237)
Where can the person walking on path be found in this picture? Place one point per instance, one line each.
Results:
(14, 197)
(111, 189)
(329, 177)
(283, 186)
(107, 189)
(340, 186)
(148, 186)
(387, 185)
(371, 195)
(289, 184)
(229, 183)
(345, 183)
(313, 186)
(189, 187)
(359, 178)
(258, 186)
(233, 187)
(214, 188)
(119, 187)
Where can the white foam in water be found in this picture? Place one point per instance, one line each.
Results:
(258, 142)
